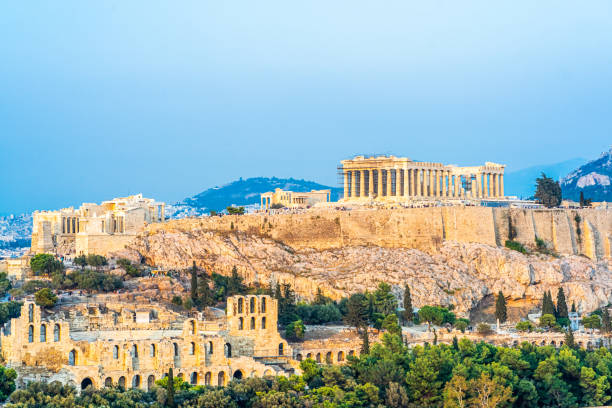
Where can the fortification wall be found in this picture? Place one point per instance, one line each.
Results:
(568, 232)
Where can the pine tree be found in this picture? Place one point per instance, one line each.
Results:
(569, 338)
(435, 339)
(205, 294)
(170, 389)
(365, 342)
(547, 304)
(408, 310)
(573, 307)
(455, 343)
(561, 304)
(194, 282)
(501, 312)
(606, 324)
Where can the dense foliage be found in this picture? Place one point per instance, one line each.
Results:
(9, 310)
(7, 382)
(45, 264)
(548, 191)
(464, 374)
(5, 284)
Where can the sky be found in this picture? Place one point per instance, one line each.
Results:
(109, 98)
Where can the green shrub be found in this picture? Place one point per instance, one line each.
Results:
(516, 246)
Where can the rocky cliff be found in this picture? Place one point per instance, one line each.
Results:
(448, 255)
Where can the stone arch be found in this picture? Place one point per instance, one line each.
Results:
(318, 358)
(340, 356)
(175, 349)
(252, 323)
(298, 357)
(580, 344)
(351, 353)
(240, 323)
(152, 350)
(108, 382)
(87, 382)
(263, 322)
(552, 343)
(589, 345)
(31, 333)
(31, 313)
(281, 349)
(221, 378)
(43, 333)
(193, 378)
(238, 375)
(252, 306)
(543, 343)
(309, 355)
(240, 305)
(136, 381)
(72, 357)
(328, 357)
(56, 332)
(210, 347)
(561, 343)
(263, 305)
(192, 325)
(121, 382)
(515, 343)
(180, 375)
(134, 351)
(150, 382)
(116, 352)
(192, 348)
(228, 350)
(208, 378)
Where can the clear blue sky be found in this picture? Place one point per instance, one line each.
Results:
(101, 99)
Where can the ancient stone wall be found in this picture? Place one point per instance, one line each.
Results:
(568, 232)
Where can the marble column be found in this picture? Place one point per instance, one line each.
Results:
(346, 184)
(418, 173)
(444, 183)
(370, 182)
(486, 185)
(354, 183)
(497, 185)
(473, 188)
(380, 182)
(362, 183)
(479, 184)
(437, 189)
(457, 192)
(389, 182)
(501, 185)
(412, 182)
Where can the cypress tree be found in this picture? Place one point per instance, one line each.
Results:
(573, 307)
(408, 311)
(606, 324)
(547, 304)
(561, 304)
(365, 342)
(204, 292)
(194, 282)
(501, 311)
(170, 389)
(569, 338)
(455, 343)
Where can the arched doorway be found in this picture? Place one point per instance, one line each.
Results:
(136, 381)
(340, 356)
(121, 382)
(238, 375)
(281, 349)
(193, 379)
(228, 350)
(328, 358)
(150, 382)
(208, 378)
(72, 358)
(86, 383)
(108, 382)
(221, 378)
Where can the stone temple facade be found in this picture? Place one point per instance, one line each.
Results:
(397, 179)
(292, 199)
(93, 228)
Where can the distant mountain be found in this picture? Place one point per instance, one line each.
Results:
(592, 178)
(246, 192)
(521, 183)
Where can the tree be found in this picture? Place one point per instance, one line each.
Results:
(96, 260)
(391, 325)
(356, 311)
(484, 329)
(569, 338)
(524, 326)
(408, 310)
(45, 298)
(548, 191)
(205, 294)
(489, 393)
(584, 202)
(235, 285)
(295, 330)
(384, 300)
(365, 342)
(194, 282)
(591, 322)
(501, 312)
(455, 392)
(548, 306)
(573, 307)
(461, 325)
(431, 315)
(80, 260)
(7, 382)
(170, 389)
(606, 324)
(548, 320)
(561, 304)
(594, 387)
(45, 264)
(235, 210)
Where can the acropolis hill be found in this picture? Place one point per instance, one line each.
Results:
(454, 254)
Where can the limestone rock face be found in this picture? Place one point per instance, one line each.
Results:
(458, 273)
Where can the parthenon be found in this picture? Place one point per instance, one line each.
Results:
(390, 178)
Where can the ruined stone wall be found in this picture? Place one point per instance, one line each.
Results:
(568, 232)
(101, 244)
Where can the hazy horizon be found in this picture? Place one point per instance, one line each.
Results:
(107, 99)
